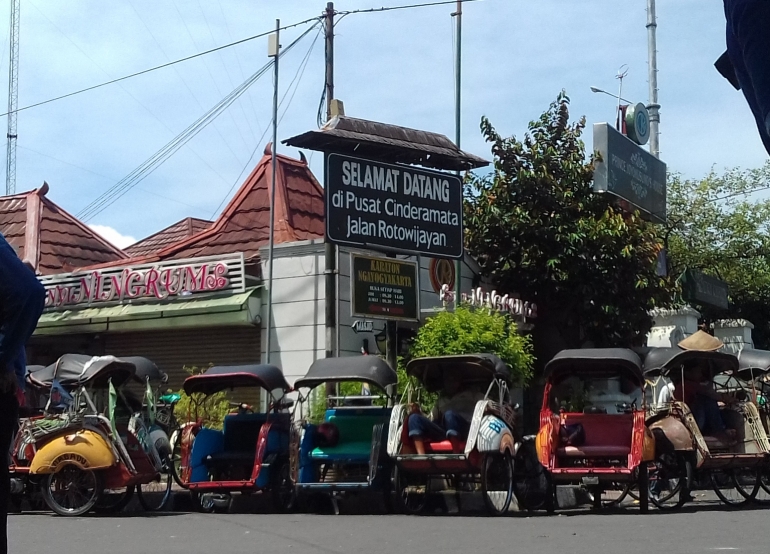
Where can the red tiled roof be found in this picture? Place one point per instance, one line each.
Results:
(177, 232)
(49, 238)
(244, 225)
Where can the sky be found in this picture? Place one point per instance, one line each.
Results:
(396, 67)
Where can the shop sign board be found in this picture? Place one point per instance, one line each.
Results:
(384, 288)
(146, 282)
(629, 172)
(394, 208)
(478, 297)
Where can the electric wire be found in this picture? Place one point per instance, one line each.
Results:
(157, 159)
(298, 78)
(148, 110)
(405, 7)
(189, 89)
(168, 64)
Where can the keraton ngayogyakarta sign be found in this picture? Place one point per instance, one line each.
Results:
(393, 207)
(158, 281)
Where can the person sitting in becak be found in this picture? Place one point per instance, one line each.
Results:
(449, 419)
(697, 390)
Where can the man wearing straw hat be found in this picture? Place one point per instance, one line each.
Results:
(697, 390)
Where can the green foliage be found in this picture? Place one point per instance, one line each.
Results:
(211, 409)
(469, 330)
(537, 228)
(318, 401)
(466, 331)
(718, 225)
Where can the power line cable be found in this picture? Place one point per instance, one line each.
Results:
(148, 110)
(300, 72)
(406, 7)
(208, 69)
(157, 159)
(161, 66)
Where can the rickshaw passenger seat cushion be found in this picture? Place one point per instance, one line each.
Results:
(605, 436)
(442, 447)
(242, 431)
(207, 441)
(355, 438)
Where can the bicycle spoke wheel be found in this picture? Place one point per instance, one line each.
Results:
(154, 496)
(497, 482)
(411, 490)
(615, 494)
(176, 456)
(72, 491)
(734, 490)
(747, 482)
(763, 493)
(670, 478)
(114, 500)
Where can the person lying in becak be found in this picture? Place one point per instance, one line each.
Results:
(449, 419)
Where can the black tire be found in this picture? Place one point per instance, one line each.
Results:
(748, 483)
(531, 483)
(72, 491)
(176, 457)
(724, 481)
(497, 482)
(282, 489)
(113, 502)
(670, 481)
(412, 490)
(622, 492)
(763, 493)
(154, 496)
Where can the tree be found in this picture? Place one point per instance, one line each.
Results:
(537, 228)
(719, 226)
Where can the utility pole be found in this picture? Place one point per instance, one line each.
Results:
(458, 105)
(13, 99)
(330, 271)
(652, 63)
(274, 51)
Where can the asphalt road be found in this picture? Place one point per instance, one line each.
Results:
(705, 528)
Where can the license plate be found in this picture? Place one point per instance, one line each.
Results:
(590, 480)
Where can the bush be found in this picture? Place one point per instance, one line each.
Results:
(468, 331)
(210, 409)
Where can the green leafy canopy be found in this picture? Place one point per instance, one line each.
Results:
(537, 228)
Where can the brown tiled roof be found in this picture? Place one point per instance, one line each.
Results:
(49, 238)
(245, 223)
(177, 232)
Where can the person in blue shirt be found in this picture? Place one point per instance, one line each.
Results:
(22, 298)
(748, 53)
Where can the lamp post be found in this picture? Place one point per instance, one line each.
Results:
(598, 90)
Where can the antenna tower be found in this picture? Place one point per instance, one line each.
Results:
(13, 99)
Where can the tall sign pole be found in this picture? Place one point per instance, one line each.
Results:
(458, 105)
(274, 51)
(652, 57)
(330, 250)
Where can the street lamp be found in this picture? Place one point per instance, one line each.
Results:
(597, 89)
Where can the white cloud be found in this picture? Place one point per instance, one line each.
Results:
(114, 236)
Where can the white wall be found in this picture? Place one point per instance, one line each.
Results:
(297, 331)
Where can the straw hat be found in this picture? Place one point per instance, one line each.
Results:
(701, 341)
